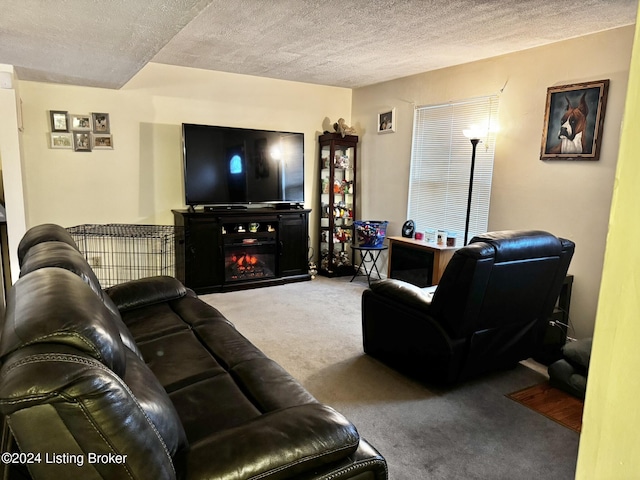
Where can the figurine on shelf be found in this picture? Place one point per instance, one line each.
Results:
(347, 186)
(343, 129)
(324, 262)
(325, 210)
(343, 259)
(340, 236)
(341, 161)
(340, 210)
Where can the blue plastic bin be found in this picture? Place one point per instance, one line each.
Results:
(370, 233)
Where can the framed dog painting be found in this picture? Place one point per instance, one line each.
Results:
(573, 121)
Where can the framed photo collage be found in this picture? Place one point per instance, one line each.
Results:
(80, 132)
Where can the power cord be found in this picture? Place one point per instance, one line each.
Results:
(566, 326)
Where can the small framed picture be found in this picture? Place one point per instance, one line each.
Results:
(387, 121)
(59, 121)
(61, 140)
(81, 142)
(102, 141)
(80, 123)
(100, 122)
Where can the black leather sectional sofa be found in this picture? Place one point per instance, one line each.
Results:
(146, 381)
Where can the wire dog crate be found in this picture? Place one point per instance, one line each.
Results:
(121, 252)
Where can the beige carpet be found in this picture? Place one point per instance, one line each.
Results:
(472, 431)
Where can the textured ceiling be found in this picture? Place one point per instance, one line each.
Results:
(88, 42)
(348, 43)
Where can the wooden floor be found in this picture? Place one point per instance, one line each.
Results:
(552, 403)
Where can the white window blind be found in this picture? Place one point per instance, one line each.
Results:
(441, 163)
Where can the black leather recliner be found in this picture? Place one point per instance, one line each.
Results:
(488, 312)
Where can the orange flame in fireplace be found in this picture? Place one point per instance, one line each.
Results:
(245, 260)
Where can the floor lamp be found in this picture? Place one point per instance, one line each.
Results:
(473, 135)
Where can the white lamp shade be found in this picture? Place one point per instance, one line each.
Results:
(475, 133)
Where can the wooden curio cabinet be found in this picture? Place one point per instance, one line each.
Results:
(337, 203)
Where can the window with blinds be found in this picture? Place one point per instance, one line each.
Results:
(441, 164)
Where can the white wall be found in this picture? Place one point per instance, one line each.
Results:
(140, 181)
(569, 199)
(11, 166)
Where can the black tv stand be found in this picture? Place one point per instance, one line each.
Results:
(208, 240)
(288, 206)
(218, 208)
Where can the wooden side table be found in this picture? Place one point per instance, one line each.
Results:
(416, 261)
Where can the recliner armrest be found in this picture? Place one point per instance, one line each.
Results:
(281, 444)
(404, 292)
(145, 291)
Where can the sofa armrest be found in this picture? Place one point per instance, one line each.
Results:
(364, 463)
(405, 293)
(145, 291)
(281, 444)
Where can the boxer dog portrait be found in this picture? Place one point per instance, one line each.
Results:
(573, 121)
(572, 134)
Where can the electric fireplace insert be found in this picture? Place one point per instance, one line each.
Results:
(249, 256)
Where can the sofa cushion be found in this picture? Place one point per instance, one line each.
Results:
(230, 346)
(291, 442)
(567, 377)
(53, 305)
(269, 386)
(62, 255)
(59, 399)
(47, 232)
(578, 353)
(212, 405)
(179, 359)
(195, 312)
(145, 291)
(155, 402)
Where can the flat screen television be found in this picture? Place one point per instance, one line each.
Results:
(239, 166)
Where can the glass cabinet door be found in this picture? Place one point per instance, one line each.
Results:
(338, 190)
